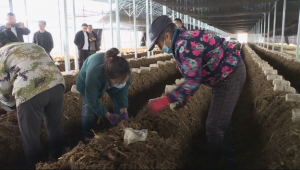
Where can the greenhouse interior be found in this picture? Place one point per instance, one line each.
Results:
(149, 84)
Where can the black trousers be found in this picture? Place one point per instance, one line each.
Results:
(50, 105)
(91, 52)
(224, 99)
(49, 55)
(83, 55)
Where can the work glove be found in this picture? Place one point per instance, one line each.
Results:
(156, 105)
(124, 116)
(177, 105)
(114, 119)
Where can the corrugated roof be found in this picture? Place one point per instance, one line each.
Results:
(234, 16)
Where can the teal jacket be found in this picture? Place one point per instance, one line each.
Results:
(92, 83)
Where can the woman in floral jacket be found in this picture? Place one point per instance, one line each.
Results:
(202, 58)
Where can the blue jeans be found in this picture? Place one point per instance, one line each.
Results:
(88, 116)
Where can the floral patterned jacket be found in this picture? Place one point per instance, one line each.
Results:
(201, 58)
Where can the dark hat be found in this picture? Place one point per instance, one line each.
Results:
(157, 27)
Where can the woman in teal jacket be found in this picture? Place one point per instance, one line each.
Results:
(100, 73)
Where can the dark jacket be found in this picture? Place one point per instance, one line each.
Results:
(20, 32)
(79, 39)
(97, 42)
(92, 83)
(48, 42)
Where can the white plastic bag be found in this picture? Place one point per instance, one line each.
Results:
(132, 135)
(74, 89)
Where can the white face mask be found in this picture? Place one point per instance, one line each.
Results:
(166, 49)
(119, 86)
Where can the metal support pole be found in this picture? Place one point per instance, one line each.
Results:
(283, 25)
(25, 6)
(118, 25)
(254, 34)
(164, 10)
(66, 37)
(104, 37)
(261, 32)
(10, 6)
(173, 15)
(181, 17)
(258, 35)
(177, 15)
(190, 23)
(186, 22)
(298, 37)
(258, 30)
(264, 29)
(268, 30)
(198, 25)
(134, 29)
(74, 29)
(194, 23)
(147, 26)
(111, 24)
(151, 19)
(274, 25)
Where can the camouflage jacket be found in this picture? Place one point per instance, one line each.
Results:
(26, 70)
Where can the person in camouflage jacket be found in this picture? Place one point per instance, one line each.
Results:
(31, 81)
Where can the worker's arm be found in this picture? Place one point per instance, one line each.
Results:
(6, 88)
(77, 38)
(24, 30)
(189, 54)
(92, 90)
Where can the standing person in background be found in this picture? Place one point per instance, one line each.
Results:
(94, 41)
(82, 42)
(17, 28)
(286, 38)
(31, 82)
(179, 23)
(103, 73)
(43, 38)
(202, 58)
